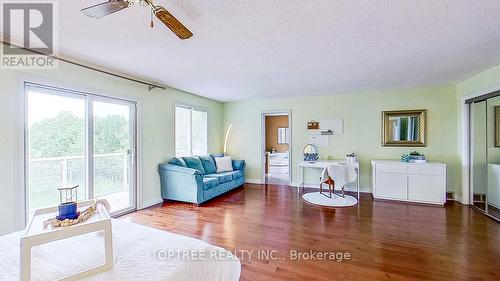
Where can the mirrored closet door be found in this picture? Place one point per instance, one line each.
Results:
(493, 153)
(484, 120)
(478, 154)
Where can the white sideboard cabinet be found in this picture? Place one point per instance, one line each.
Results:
(410, 182)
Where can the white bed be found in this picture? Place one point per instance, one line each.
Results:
(140, 253)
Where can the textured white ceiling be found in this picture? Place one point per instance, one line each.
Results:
(244, 49)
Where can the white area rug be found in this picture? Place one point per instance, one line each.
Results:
(323, 199)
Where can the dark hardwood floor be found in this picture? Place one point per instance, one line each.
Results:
(385, 240)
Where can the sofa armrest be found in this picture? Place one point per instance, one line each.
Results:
(181, 183)
(239, 165)
(178, 169)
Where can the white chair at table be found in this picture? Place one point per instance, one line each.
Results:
(339, 175)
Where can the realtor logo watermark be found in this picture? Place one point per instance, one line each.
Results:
(249, 255)
(30, 31)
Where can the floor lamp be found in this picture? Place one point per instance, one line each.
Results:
(226, 138)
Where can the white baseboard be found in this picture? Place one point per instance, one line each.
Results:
(150, 203)
(254, 181)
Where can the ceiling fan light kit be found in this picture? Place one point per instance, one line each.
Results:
(112, 6)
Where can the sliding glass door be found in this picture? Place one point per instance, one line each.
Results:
(55, 145)
(75, 138)
(113, 141)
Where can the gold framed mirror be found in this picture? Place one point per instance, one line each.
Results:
(404, 128)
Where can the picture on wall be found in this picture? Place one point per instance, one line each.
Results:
(497, 126)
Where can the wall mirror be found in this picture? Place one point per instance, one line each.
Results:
(310, 149)
(404, 128)
(283, 136)
(310, 152)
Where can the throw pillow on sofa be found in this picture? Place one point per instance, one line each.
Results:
(224, 164)
(208, 164)
(217, 155)
(178, 161)
(194, 163)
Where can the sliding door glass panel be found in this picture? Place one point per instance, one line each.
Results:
(55, 145)
(199, 132)
(182, 131)
(478, 154)
(493, 141)
(113, 142)
(74, 138)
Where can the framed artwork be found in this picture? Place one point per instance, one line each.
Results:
(497, 126)
(312, 125)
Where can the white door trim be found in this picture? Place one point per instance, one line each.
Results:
(265, 113)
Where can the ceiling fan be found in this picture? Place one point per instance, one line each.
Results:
(112, 6)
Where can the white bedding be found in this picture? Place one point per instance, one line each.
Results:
(140, 253)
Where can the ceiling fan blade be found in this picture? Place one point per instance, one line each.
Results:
(171, 22)
(107, 8)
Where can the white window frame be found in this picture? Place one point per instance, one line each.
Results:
(190, 138)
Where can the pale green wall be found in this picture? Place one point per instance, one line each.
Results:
(362, 115)
(157, 128)
(479, 82)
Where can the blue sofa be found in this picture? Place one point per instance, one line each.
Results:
(195, 179)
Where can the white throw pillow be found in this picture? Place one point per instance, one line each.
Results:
(224, 164)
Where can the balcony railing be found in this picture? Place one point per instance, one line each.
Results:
(110, 175)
